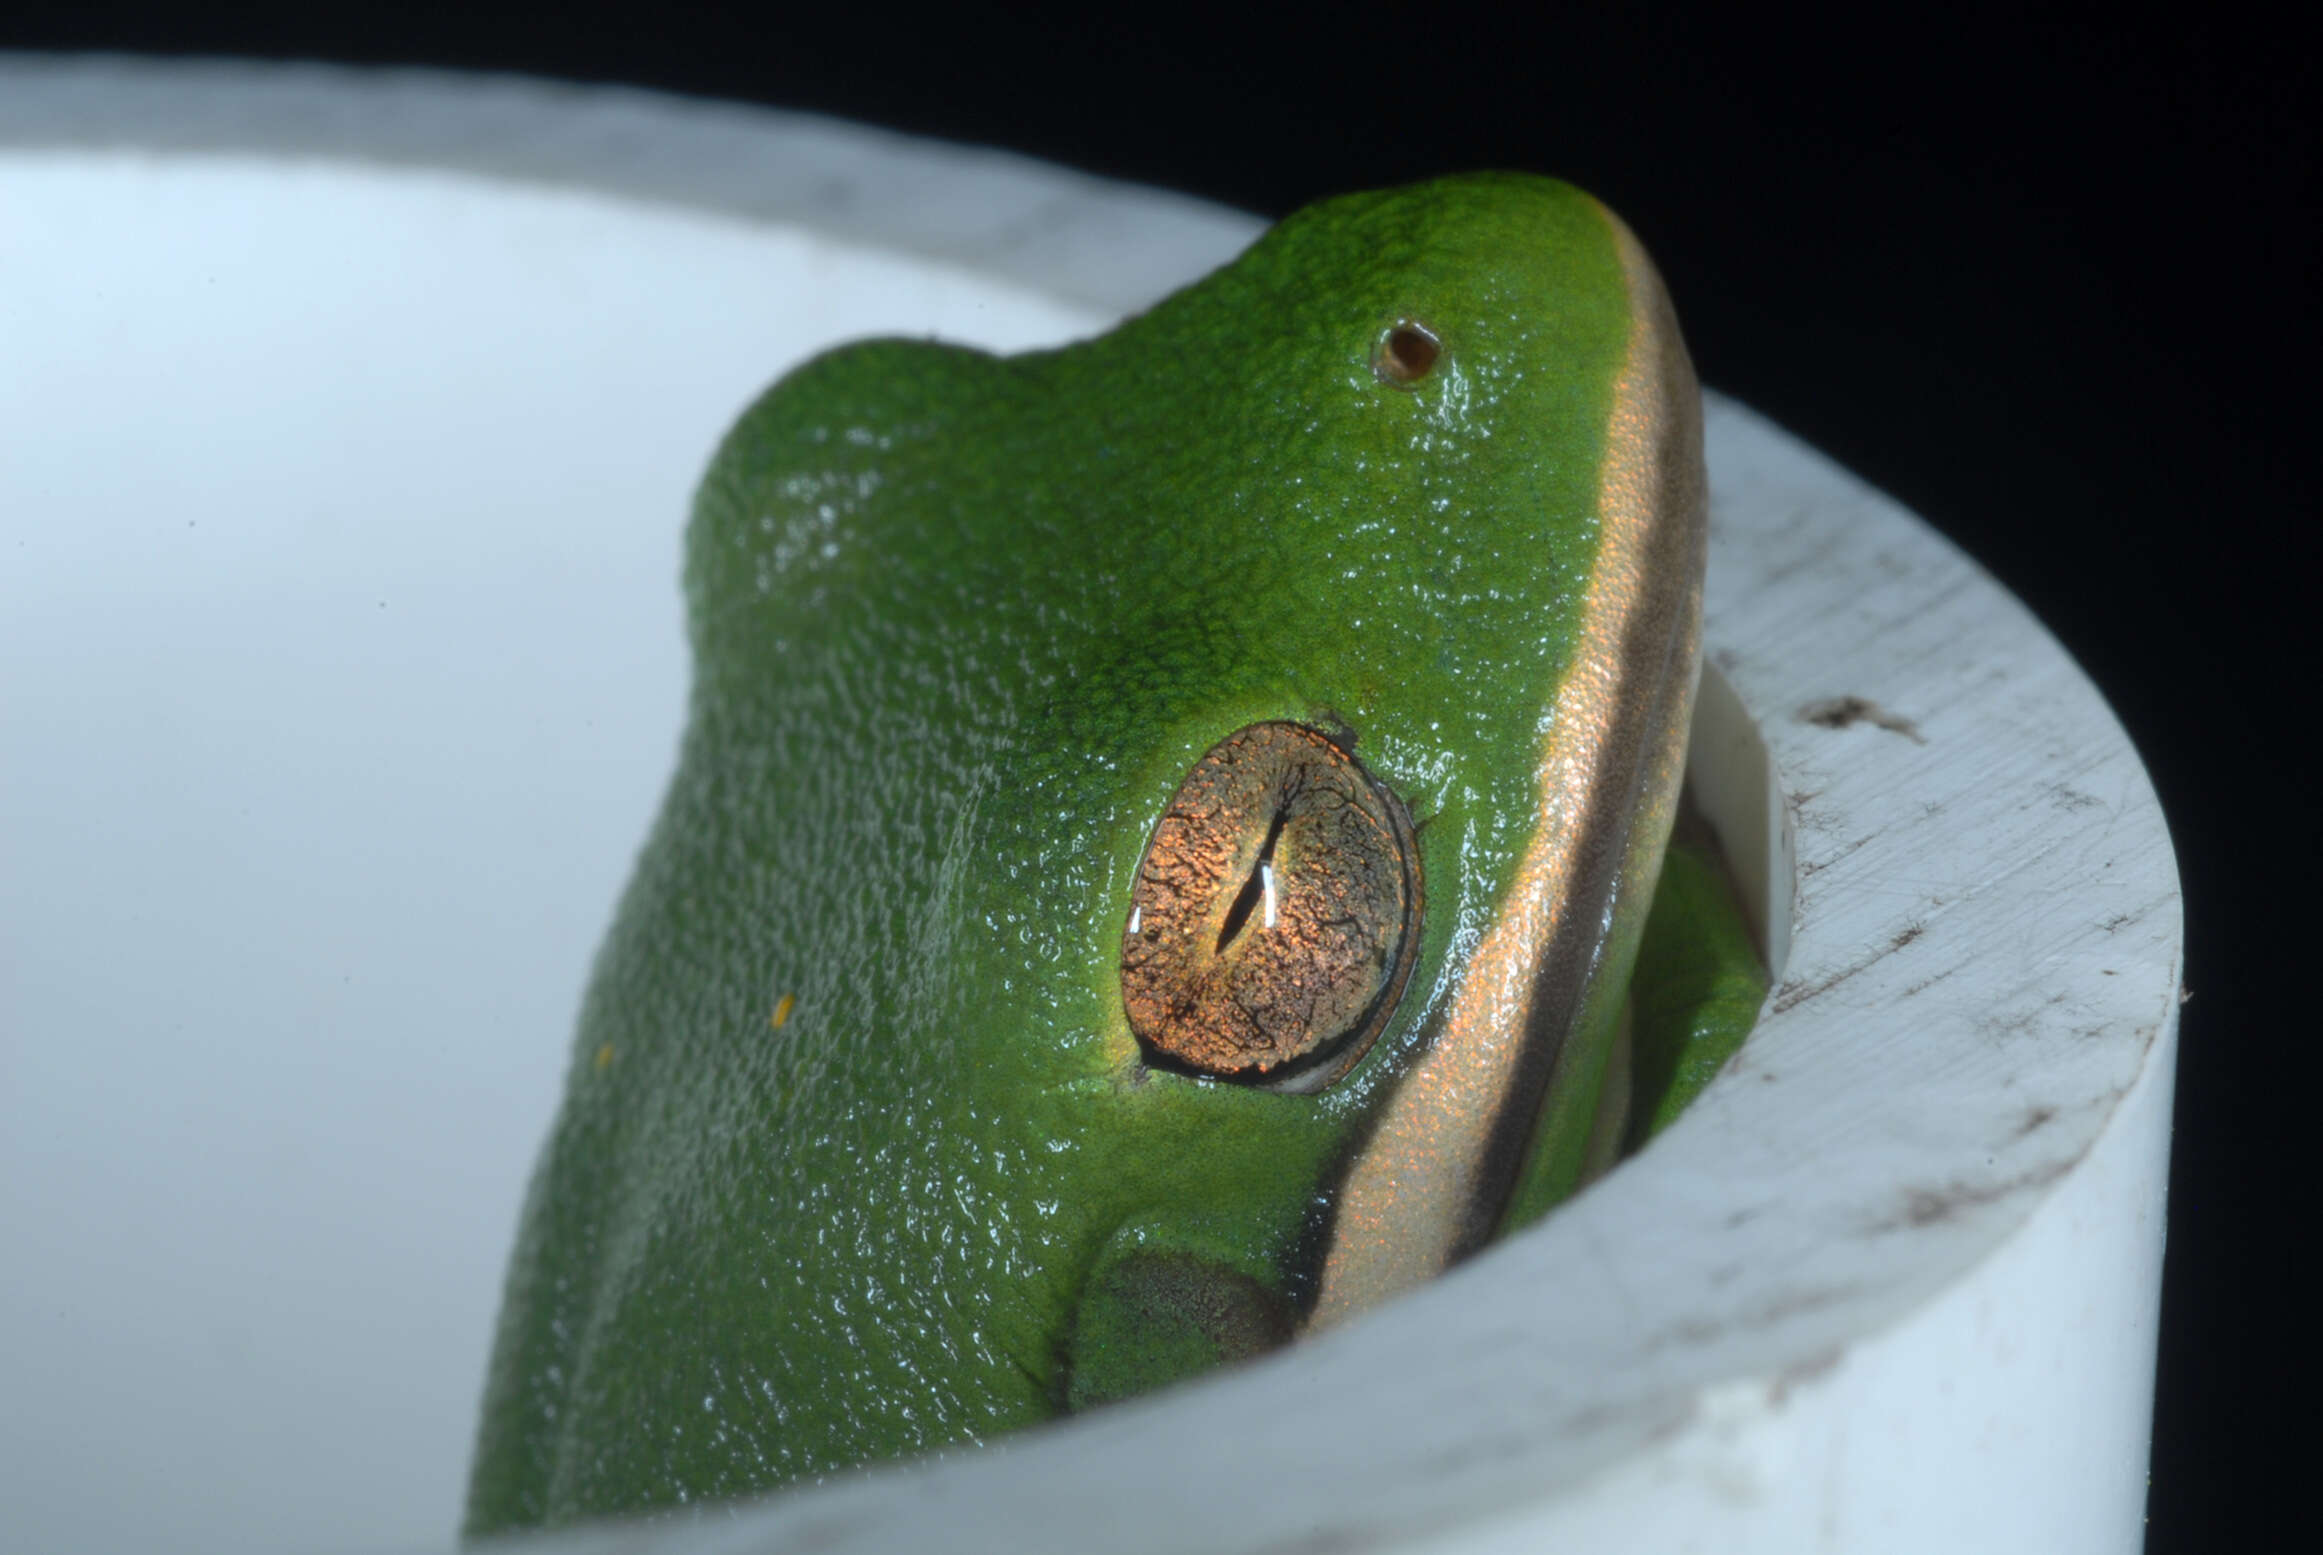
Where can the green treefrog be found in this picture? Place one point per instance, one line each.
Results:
(1155, 861)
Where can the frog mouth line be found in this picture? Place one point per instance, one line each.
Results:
(1432, 1176)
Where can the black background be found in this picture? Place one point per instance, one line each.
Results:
(2050, 284)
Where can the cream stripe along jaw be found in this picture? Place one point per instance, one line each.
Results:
(1541, 996)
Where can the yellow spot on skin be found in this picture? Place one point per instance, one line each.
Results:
(782, 1009)
(604, 1056)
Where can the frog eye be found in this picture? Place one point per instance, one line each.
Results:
(1275, 915)
(1405, 353)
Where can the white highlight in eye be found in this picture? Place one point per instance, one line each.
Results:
(1266, 883)
(1136, 917)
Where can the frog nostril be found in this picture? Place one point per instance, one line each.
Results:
(1406, 353)
(1274, 918)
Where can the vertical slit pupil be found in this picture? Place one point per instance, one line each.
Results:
(1253, 888)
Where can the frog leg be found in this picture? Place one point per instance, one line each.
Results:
(1694, 994)
(1609, 1134)
(1151, 1316)
(1697, 988)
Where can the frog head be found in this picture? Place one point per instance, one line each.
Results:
(1154, 860)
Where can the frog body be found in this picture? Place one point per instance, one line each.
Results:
(862, 1153)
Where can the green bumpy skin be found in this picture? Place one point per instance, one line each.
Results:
(858, 1156)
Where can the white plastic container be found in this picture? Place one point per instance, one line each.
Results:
(351, 419)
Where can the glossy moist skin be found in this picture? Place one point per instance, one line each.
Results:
(858, 1154)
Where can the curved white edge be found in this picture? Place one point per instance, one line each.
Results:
(1732, 781)
(1072, 235)
(1912, 1231)
(2010, 1414)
